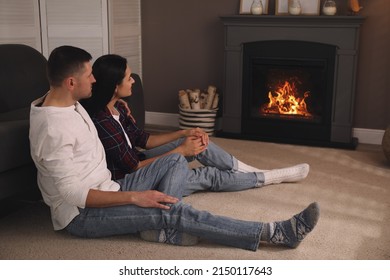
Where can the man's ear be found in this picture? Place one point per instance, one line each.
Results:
(69, 82)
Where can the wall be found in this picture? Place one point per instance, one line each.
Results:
(373, 88)
(183, 48)
(182, 45)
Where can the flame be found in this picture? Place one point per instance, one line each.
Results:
(286, 101)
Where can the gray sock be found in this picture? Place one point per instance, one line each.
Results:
(291, 232)
(169, 236)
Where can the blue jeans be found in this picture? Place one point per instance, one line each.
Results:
(167, 175)
(212, 156)
(218, 174)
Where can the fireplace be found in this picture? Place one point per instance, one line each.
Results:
(287, 90)
(290, 79)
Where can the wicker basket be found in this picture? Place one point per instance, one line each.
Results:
(202, 118)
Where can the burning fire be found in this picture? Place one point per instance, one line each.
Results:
(286, 101)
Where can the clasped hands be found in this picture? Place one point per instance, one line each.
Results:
(196, 141)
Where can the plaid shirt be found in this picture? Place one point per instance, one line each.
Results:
(121, 158)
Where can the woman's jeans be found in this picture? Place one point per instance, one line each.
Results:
(212, 156)
(168, 175)
(218, 173)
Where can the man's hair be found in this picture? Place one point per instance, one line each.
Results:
(64, 62)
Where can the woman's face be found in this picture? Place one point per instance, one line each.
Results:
(124, 88)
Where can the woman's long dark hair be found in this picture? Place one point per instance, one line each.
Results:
(109, 71)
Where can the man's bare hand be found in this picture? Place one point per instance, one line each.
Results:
(153, 199)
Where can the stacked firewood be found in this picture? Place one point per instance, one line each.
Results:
(197, 99)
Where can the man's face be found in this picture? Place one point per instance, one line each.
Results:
(83, 82)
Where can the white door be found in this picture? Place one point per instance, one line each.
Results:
(73, 22)
(125, 31)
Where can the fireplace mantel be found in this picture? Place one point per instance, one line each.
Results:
(340, 31)
(283, 20)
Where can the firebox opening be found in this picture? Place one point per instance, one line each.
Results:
(288, 90)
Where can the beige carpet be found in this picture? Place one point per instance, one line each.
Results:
(352, 188)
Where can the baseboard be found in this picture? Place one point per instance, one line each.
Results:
(365, 136)
(164, 119)
(369, 136)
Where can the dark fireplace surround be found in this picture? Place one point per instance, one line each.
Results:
(321, 44)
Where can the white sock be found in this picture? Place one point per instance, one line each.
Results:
(245, 168)
(286, 175)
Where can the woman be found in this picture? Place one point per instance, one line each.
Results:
(121, 137)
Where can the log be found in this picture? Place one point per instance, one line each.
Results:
(184, 100)
(203, 99)
(211, 90)
(195, 99)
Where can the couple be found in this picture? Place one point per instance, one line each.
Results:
(98, 187)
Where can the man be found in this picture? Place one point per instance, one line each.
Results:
(77, 186)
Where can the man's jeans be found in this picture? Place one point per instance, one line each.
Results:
(168, 175)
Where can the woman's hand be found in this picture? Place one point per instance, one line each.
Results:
(192, 146)
(200, 133)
